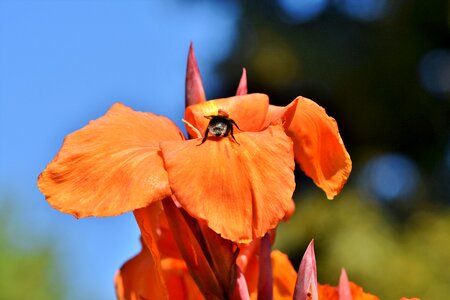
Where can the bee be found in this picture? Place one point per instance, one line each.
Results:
(220, 125)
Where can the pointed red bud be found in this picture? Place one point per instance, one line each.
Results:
(265, 281)
(306, 285)
(241, 288)
(242, 87)
(194, 87)
(345, 292)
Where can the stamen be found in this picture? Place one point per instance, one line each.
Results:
(199, 135)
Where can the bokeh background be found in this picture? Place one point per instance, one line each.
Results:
(380, 67)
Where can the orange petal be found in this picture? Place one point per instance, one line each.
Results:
(192, 252)
(159, 241)
(180, 283)
(246, 253)
(110, 166)
(155, 230)
(148, 220)
(141, 278)
(319, 148)
(284, 276)
(136, 280)
(281, 115)
(241, 190)
(222, 255)
(248, 111)
(359, 294)
(327, 292)
(290, 211)
(194, 86)
(248, 263)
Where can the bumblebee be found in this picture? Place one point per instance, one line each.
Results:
(220, 126)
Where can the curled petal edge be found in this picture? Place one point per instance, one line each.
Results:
(318, 147)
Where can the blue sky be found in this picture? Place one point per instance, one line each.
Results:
(63, 63)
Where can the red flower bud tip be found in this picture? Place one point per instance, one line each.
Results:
(194, 87)
(265, 281)
(345, 292)
(242, 87)
(241, 288)
(306, 285)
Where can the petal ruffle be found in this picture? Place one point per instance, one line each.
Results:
(180, 283)
(163, 251)
(241, 190)
(141, 278)
(248, 111)
(319, 148)
(137, 279)
(192, 252)
(329, 292)
(110, 166)
(359, 294)
(284, 276)
(281, 114)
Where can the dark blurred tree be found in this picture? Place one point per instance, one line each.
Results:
(26, 274)
(388, 259)
(365, 73)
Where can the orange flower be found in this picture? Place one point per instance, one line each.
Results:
(235, 175)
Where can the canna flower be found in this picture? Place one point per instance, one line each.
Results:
(235, 175)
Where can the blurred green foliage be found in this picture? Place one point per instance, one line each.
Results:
(26, 273)
(387, 257)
